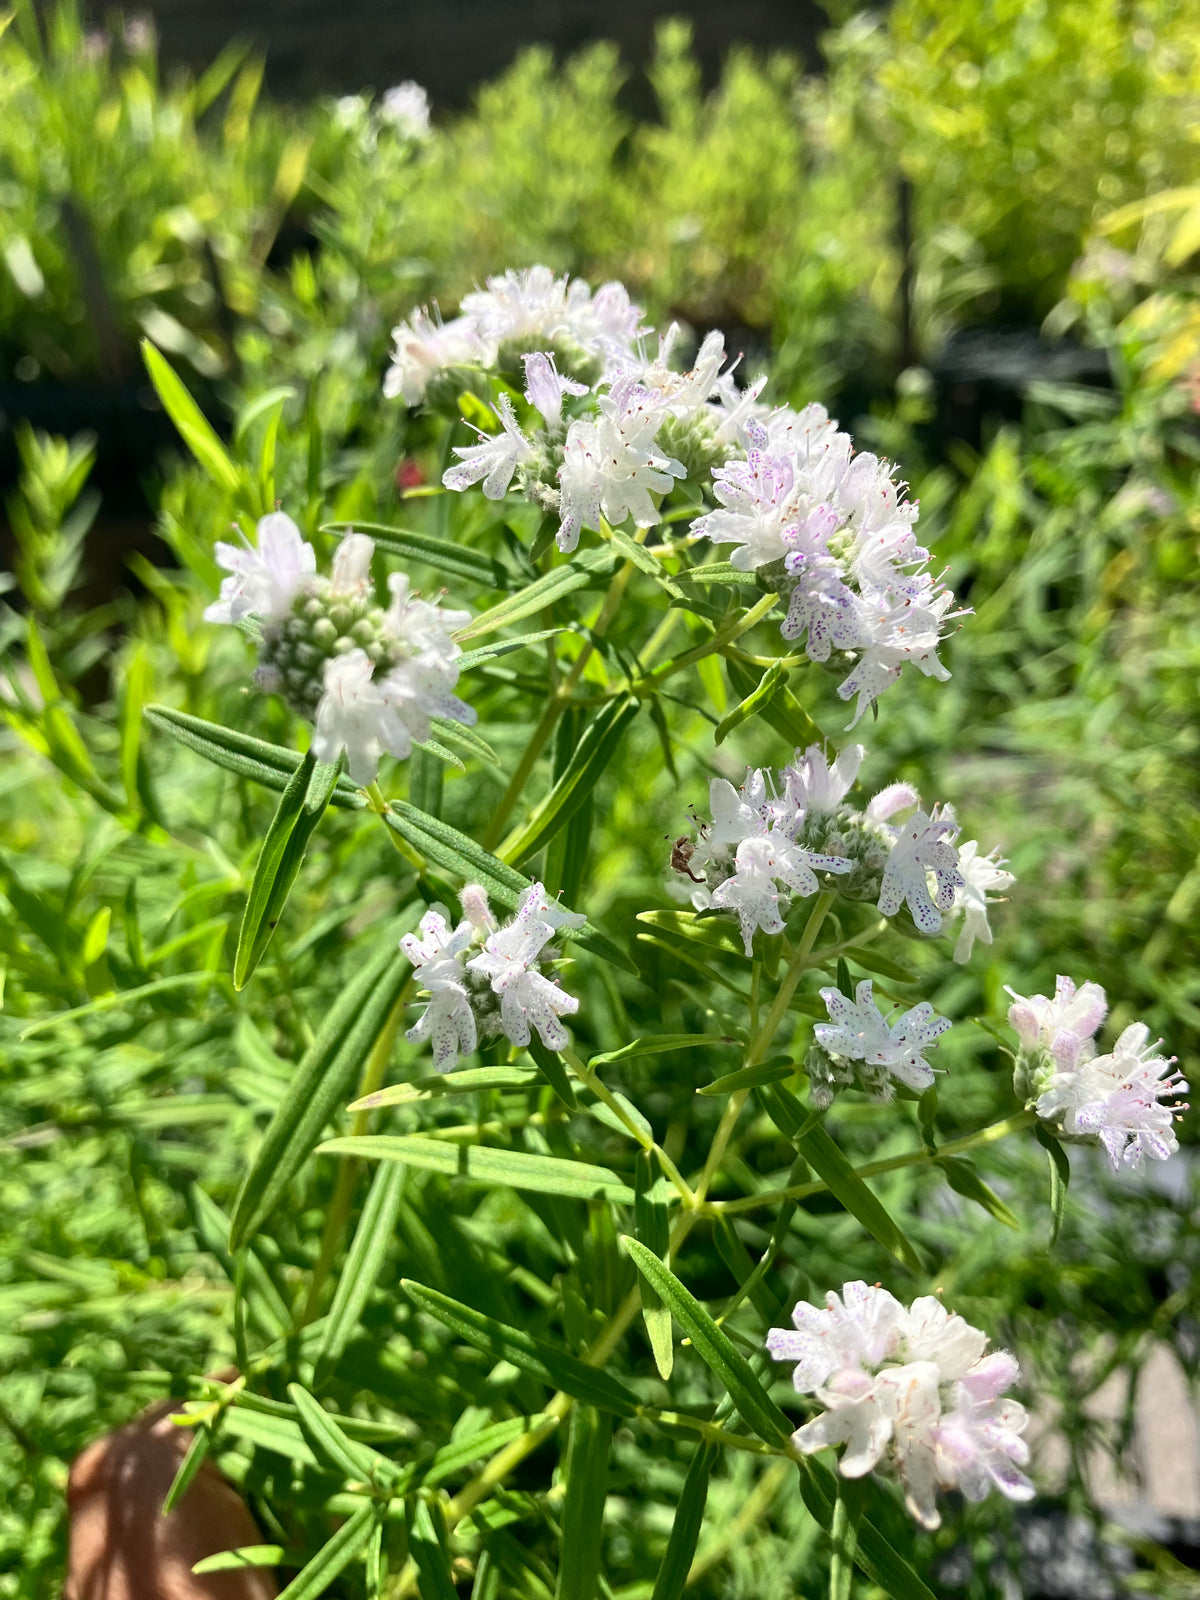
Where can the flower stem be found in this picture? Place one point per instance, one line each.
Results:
(647, 1141)
(350, 1170)
(873, 1169)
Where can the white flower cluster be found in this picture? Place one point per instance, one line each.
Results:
(1117, 1098)
(498, 989)
(859, 1044)
(517, 312)
(827, 528)
(910, 1390)
(832, 530)
(369, 679)
(769, 838)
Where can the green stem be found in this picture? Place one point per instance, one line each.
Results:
(843, 1534)
(718, 641)
(554, 709)
(647, 1141)
(873, 1169)
(348, 1173)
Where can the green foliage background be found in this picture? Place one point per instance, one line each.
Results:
(136, 1081)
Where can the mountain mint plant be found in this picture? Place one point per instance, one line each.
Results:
(557, 1177)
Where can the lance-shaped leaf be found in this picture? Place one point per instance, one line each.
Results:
(780, 710)
(588, 570)
(333, 1558)
(248, 1555)
(1060, 1177)
(756, 701)
(427, 1546)
(652, 1221)
(503, 647)
(881, 1563)
(194, 427)
(657, 1044)
(454, 560)
(357, 1462)
(269, 764)
(556, 1367)
(301, 807)
(519, 1169)
(685, 1529)
(321, 1085)
(714, 932)
(437, 841)
(964, 1179)
(371, 1239)
(714, 1347)
(774, 1070)
(838, 1176)
(588, 1445)
(588, 763)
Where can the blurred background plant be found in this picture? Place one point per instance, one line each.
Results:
(954, 166)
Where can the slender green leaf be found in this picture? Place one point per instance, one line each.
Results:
(714, 1347)
(365, 1258)
(356, 1461)
(656, 1044)
(652, 1222)
(466, 739)
(268, 764)
(193, 1460)
(455, 852)
(301, 807)
(964, 1179)
(503, 647)
(756, 700)
(875, 1555)
(469, 1080)
(249, 1555)
(453, 1458)
(1060, 1177)
(718, 572)
(588, 1446)
(586, 767)
(321, 1084)
(715, 933)
(685, 1529)
(443, 555)
(640, 557)
(839, 1177)
(551, 1068)
(773, 1070)
(265, 1303)
(194, 427)
(781, 710)
(519, 1169)
(333, 1558)
(588, 570)
(427, 1546)
(556, 1367)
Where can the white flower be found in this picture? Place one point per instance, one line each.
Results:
(545, 387)
(858, 1031)
(929, 1332)
(814, 785)
(923, 845)
(979, 1444)
(406, 107)
(910, 1392)
(533, 306)
(609, 465)
(263, 582)
(1118, 1098)
(422, 347)
(1065, 1026)
(356, 714)
(437, 966)
(508, 961)
(683, 394)
(494, 459)
(858, 1328)
(979, 875)
(351, 570)
(760, 862)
